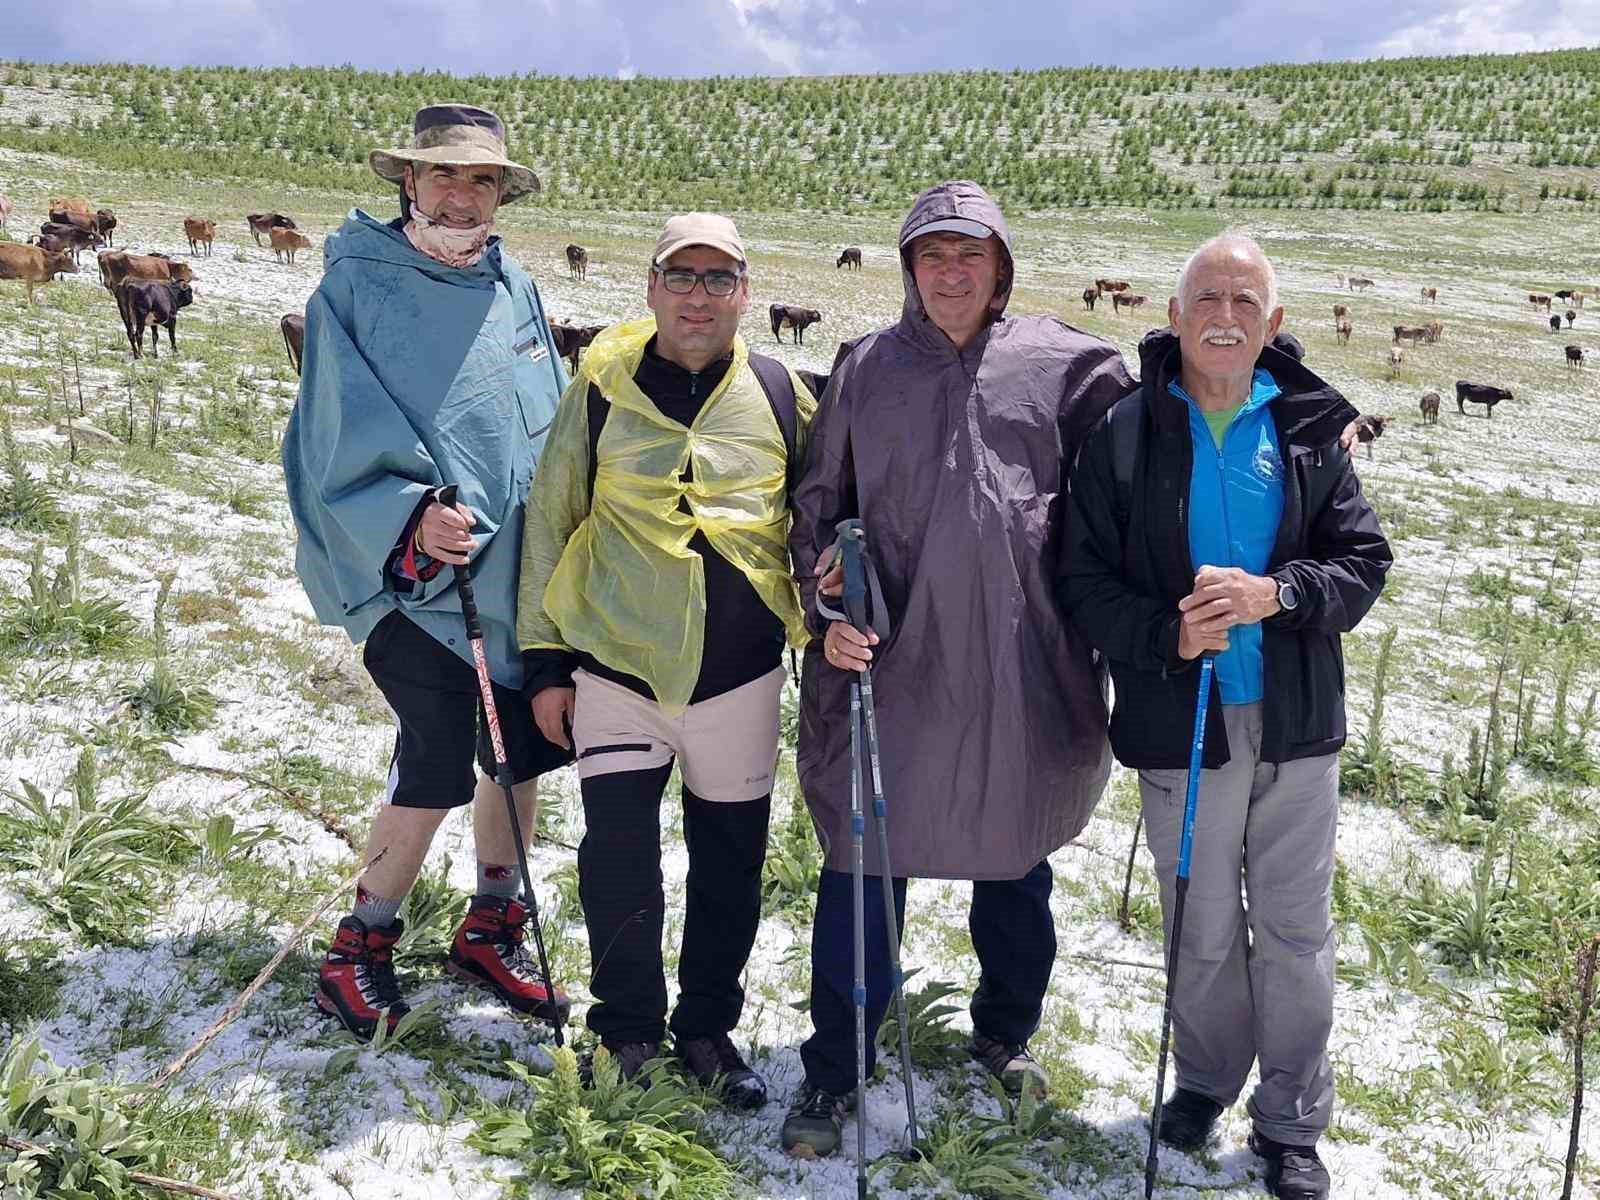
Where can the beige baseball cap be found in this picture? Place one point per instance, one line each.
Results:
(698, 229)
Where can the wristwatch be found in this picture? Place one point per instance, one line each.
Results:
(1288, 597)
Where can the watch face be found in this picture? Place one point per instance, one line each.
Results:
(1288, 596)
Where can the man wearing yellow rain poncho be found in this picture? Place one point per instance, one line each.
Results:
(654, 604)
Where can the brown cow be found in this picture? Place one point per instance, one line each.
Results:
(1571, 317)
(1342, 330)
(146, 304)
(119, 266)
(200, 233)
(850, 256)
(1539, 300)
(1430, 408)
(73, 204)
(1119, 301)
(1397, 358)
(1410, 333)
(1435, 331)
(286, 242)
(5, 212)
(1358, 283)
(789, 316)
(1577, 299)
(1089, 297)
(265, 223)
(293, 328)
(1575, 357)
(33, 265)
(1111, 285)
(1340, 312)
(577, 261)
(1431, 294)
(571, 339)
(104, 222)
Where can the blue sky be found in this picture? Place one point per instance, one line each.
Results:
(705, 37)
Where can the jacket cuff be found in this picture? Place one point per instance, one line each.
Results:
(405, 562)
(544, 668)
(1172, 663)
(1287, 618)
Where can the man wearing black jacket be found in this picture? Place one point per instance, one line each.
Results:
(1214, 511)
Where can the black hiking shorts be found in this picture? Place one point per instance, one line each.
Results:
(440, 723)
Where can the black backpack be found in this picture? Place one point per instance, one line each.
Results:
(775, 382)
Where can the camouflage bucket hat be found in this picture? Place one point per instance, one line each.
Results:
(458, 135)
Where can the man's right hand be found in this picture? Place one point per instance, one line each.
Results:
(552, 711)
(446, 533)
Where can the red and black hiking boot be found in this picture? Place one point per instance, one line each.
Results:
(488, 951)
(357, 980)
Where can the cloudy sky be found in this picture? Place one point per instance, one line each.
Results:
(707, 37)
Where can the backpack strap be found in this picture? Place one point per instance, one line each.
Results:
(1125, 424)
(599, 410)
(777, 383)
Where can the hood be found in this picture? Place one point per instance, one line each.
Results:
(956, 198)
(1311, 411)
(363, 236)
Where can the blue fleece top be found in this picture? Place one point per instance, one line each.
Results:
(1235, 505)
(417, 374)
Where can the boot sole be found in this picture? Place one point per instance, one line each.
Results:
(329, 1007)
(543, 1010)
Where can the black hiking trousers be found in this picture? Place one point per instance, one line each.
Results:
(619, 873)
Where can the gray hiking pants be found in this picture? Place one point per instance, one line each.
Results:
(1257, 983)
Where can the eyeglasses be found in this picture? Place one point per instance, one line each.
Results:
(680, 281)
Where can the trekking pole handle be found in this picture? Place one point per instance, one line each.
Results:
(469, 602)
(851, 537)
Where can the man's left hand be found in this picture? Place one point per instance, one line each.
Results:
(1347, 438)
(1228, 596)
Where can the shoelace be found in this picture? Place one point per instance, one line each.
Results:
(1299, 1159)
(821, 1104)
(379, 971)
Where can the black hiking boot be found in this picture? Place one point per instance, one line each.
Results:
(1188, 1119)
(631, 1057)
(815, 1122)
(716, 1063)
(1011, 1064)
(1293, 1172)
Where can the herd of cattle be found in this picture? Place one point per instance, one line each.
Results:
(149, 289)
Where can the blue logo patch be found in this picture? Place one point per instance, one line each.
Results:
(1266, 462)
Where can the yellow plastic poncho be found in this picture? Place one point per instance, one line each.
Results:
(613, 575)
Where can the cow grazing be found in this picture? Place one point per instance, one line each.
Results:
(1370, 429)
(787, 316)
(1111, 285)
(5, 213)
(1430, 294)
(262, 224)
(200, 233)
(1343, 330)
(84, 222)
(1358, 283)
(1539, 301)
(1571, 317)
(285, 242)
(69, 236)
(1430, 408)
(1575, 357)
(34, 264)
(1555, 324)
(118, 266)
(1435, 331)
(104, 222)
(1340, 312)
(850, 256)
(571, 339)
(1479, 393)
(1089, 297)
(149, 305)
(577, 262)
(1562, 294)
(1120, 301)
(293, 328)
(1397, 358)
(1410, 333)
(815, 383)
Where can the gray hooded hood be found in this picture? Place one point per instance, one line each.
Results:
(991, 711)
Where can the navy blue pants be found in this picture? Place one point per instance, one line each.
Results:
(1012, 933)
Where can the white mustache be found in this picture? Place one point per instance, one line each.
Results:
(1218, 331)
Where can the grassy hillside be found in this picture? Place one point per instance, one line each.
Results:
(1507, 132)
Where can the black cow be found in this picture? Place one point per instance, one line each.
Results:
(850, 256)
(577, 262)
(571, 339)
(1555, 324)
(1479, 393)
(787, 316)
(148, 305)
(1090, 295)
(73, 237)
(293, 328)
(265, 223)
(104, 222)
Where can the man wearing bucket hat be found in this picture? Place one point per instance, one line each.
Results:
(428, 362)
(945, 435)
(656, 598)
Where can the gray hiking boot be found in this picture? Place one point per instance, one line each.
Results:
(815, 1122)
(1011, 1064)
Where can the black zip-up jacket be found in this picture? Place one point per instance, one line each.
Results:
(1121, 587)
(744, 638)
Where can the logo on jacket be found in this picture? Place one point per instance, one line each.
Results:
(1267, 463)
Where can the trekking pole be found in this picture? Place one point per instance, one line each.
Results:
(502, 768)
(1185, 845)
(858, 829)
(860, 585)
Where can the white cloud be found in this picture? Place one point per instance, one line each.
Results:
(1498, 27)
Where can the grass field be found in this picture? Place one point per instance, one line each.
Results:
(187, 761)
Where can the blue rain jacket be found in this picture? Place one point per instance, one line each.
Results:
(416, 375)
(1235, 504)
